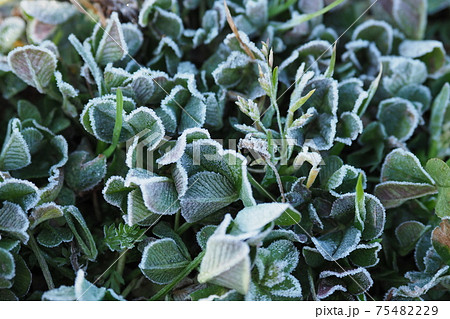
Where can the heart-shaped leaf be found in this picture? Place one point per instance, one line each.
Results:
(162, 260)
(33, 65)
(226, 263)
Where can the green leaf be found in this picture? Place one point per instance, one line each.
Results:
(21, 192)
(408, 233)
(7, 266)
(27, 110)
(365, 255)
(379, 32)
(207, 192)
(78, 226)
(439, 171)
(411, 17)
(49, 12)
(399, 72)
(393, 194)
(255, 218)
(51, 236)
(83, 171)
(82, 290)
(22, 280)
(438, 109)
(226, 263)
(112, 46)
(13, 220)
(162, 260)
(33, 65)
(337, 245)
(360, 207)
(441, 240)
(15, 153)
(431, 52)
(403, 166)
(11, 29)
(399, 117)
(122, 237)
(43, 213)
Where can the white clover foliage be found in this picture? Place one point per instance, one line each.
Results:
(327, 122)
(49, 12)
(82, 290)
(11, 29)
(34, 65)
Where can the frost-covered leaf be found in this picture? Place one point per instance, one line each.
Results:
(44, 212)
(83, 171)
(355, 281)
(319, 130)
(112, 46)
(159, 195)
(312, 54)
(365, 255)
(50, 236)
(133, 37)
(393, 194)
(15, 153)
(11, 29)
(344, 210)
(7, 266)
(337, 245)
(99, 118)
(254, 218)
(50, 12)
(438, 112)
(280, 258)
(410, 16)
(162, 260)
(79, 228)
(226, 263)
(408, 233)
(403, 166)
(84, 50)
(344, 179)
(21, 192)
(204, 234)
(431, 52)
(441, 240)
(207, 192)
(440, 172)
(167, 23)
(400, 71)
(33, 65)
(22, 280)
(379, 32)
(229, 73)
(14, 221)
(82, 290)
(399, 117)
(348, 128)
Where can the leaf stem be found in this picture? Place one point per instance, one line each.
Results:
(177, 220)
(312, 289)
(121, 263)
(183, 228)
(259, 188)
(186, 271)
(306, 17)
(41, 260)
